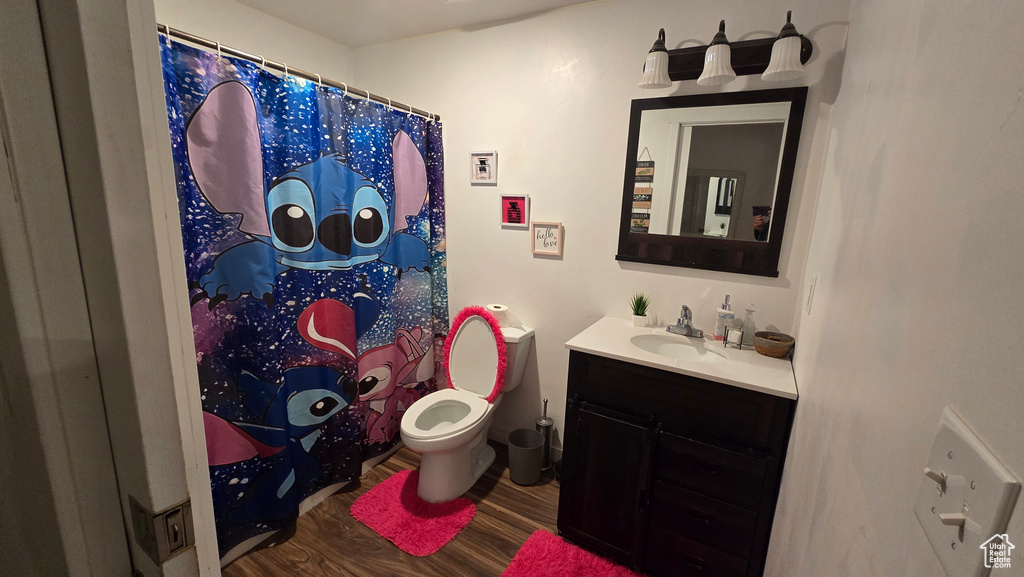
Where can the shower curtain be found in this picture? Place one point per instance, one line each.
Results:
(313, 229)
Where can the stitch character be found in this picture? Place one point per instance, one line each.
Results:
(289, 419)
(321, 215)
(387, 375)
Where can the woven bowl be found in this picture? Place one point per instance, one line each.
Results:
(770, 344)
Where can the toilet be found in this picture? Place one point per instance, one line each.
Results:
(449, 427)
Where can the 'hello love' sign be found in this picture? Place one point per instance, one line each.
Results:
(547, 238)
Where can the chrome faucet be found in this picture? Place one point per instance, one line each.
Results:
(684, 325)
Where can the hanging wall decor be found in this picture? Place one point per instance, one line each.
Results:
(515, 211)
(547, 238)
(484, 167)
(643, 192)
(313, 229)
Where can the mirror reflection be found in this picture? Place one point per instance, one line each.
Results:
(709, 171)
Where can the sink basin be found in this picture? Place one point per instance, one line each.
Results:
(680, 349)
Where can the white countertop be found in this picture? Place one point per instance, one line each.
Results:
(747, 369)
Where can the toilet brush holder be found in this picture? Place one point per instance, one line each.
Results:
(544, 426)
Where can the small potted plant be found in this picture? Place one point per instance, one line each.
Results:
(639, 304)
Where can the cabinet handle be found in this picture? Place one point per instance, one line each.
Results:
(706, 467)
(695, 562)
(697, 516)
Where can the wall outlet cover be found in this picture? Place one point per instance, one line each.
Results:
(965, 499)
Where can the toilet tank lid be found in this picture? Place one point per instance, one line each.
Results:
(515, 334)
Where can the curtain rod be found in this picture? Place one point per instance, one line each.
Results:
(285, 69)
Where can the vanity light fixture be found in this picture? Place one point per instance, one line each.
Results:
(774, 59)
(717, 61)
(785, 63)
(656, 66)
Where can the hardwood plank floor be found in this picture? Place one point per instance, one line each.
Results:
(328, 541)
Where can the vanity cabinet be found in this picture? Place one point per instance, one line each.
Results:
(668, 473)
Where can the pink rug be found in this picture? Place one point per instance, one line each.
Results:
(396, 512)
(545, 555)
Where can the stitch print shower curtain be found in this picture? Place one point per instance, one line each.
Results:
(313, 229)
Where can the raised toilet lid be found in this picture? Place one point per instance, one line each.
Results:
(475, 357)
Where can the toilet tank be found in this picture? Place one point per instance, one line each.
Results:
(517, 351)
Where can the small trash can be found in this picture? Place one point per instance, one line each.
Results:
(525, 456)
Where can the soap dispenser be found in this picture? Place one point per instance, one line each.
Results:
(748, 326)
(725, 318)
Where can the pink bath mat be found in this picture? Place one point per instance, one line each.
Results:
(545, 555)
(396, 512)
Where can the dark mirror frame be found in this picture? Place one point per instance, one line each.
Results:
(739, 256)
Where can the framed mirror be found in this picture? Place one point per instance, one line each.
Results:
(708, 179)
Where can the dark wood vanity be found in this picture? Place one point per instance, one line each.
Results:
(668, 473)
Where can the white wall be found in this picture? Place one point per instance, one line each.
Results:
(551, 93)
(239, 26)
(909, 315)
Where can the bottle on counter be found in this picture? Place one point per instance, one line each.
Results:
(725, 317)
(748, 326)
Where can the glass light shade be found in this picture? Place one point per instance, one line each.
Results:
(717, 66)
(785, 63)
(656, 71)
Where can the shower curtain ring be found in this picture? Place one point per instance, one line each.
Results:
(219, 55)
(263, 63)
(346, 88)
(167, 35)
(319, 81)
(389, 104)
(285, 72)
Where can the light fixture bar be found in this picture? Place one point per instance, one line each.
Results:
(748, 57)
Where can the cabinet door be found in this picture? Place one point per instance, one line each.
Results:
(605, 474)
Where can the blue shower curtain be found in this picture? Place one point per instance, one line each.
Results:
(313, 229)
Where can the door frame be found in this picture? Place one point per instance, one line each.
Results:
(95, 243)
(55, 422)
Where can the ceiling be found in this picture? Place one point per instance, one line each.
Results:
(357, 23)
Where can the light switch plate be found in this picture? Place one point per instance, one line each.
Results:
(973, 483)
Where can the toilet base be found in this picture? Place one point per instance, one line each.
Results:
(447, 475)
(481, 456)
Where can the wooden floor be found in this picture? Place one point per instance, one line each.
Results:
(328, 541)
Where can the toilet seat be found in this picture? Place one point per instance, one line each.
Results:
(474, 354)
(431, 418)
(474, 358)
